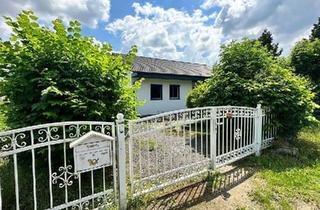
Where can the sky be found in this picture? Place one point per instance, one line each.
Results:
(187, 30)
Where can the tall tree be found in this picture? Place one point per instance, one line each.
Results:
(266, 40)
(315, 32)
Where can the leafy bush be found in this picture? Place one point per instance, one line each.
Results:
(58, 75)
(247, 75)
(305, 59)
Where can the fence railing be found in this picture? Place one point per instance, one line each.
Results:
(170, 147)
(37, 168)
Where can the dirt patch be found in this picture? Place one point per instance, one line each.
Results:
(237, 197)
(228, 191)
(231, 191)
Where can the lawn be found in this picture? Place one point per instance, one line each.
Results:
(286, 182)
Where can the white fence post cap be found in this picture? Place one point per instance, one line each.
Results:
(120, 116)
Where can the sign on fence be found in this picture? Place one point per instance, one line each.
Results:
(92, 151)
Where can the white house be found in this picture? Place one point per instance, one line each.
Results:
(166, 83)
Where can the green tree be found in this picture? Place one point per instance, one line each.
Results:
(266, 40)
(247, 75)
(315, 32)
(305, 59)
(58, 75)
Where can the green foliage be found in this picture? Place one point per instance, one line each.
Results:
(315, 32)
(266, 40)
(3, 120)
(247, 75)
(305, 59)
(58, 75)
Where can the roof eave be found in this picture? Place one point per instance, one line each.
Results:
(168, 76)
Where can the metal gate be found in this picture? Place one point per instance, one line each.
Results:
(37, 169)
(168, 148)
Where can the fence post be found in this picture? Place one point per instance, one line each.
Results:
(121, 161)
(258, 129)
(213, 137)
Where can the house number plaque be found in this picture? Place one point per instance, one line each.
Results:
(92, 151)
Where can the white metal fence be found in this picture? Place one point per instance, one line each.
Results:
(37, 170)
(167, 148)
(37, 166)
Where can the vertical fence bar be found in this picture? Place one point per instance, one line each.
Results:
(115, 172)
(65, 161)
(227, 135)
(122, 161)
(50, 168)
(131, 159)
(190, 139)
(170, 139)
(207, 134)
(16, 179)
(258, 126)
(213, 137)
(201, 133)
(33, 173)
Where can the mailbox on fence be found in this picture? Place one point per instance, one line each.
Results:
(92, 151)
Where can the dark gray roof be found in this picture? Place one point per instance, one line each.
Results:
(162, 66)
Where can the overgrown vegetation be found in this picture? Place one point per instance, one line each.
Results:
(52, 75)
(3, 125)
(247, 75)
(305, 59)
(58, 75)
(287, 180)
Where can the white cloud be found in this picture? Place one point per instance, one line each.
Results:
(89, 12)
(235, 8)
(170, 33)
(287, 19)
(195, 37)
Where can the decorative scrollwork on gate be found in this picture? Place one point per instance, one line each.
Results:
(82, 206)
(237, 134)
(6, 146)
(64, 176)
(13, 142)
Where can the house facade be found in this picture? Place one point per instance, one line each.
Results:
(166, 83)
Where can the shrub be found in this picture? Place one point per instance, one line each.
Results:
(247, 75)
(305, 59)
(58, 75)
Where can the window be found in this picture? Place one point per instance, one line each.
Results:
(174, 92)
(156, 92)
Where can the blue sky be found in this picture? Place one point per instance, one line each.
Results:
(188, 30)
(122, 8)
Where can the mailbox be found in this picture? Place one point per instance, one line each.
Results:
(92, 151)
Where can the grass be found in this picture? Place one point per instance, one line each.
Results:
(285, 181)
